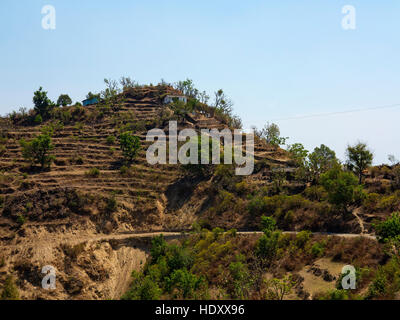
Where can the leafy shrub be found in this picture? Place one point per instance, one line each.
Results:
(371, 201)
(302, 238)
(315, 193)
(78, 160)
(79, 126)
(388, 229)
(111, 151)
(242, 188)
(124, 171)
(52, 128)
(38, 119)
(2, 149)
(77, 201)
(185, 283)
(142, 288)
(390, 202)
(267, 245)
(225, 201)
(279, 288)
(317, 249)
(94, 173)
(21, 219)
(268, 224)
(256, 206)
(241, 278)
(178, 257)
(62, 114)
(379, 284)
(111, 204)
(10, 290)
(333, 295)
(110, 140)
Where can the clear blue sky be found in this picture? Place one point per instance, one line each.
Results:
(275, 59)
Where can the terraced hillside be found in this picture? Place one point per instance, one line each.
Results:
(47, 214)
(83, 146)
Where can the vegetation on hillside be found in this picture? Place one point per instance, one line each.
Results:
(214, 264)
(97, 149)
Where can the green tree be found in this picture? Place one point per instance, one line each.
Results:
(321, 160)
(299, 155)
(37, 150)
(268, 224)
(342, 187)
(267, 245)
(130, 145)
(241, 279)
(64, 100)
(359, 158)
(42, 103)
(271, 134)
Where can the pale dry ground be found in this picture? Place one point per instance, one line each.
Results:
(314, 284)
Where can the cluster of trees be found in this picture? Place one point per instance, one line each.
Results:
(342, 182)
(42, 110)
(221, 107)
(168, 272)
(322, 159)
(43, 105)
(206, 259)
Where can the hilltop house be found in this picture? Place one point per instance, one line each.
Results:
(169, 99)
(89, 102)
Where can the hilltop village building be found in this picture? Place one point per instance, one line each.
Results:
(91, 101)
(169, 99)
